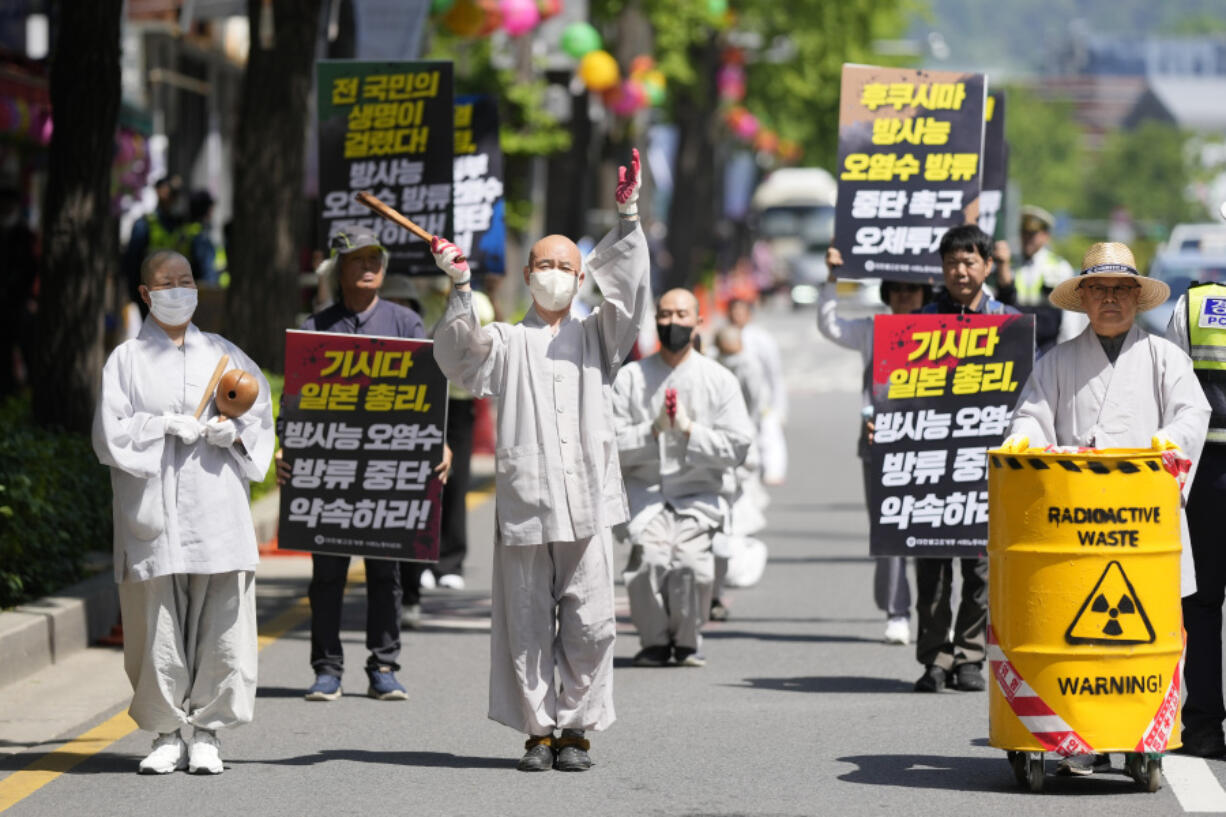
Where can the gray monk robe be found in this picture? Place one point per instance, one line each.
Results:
(679, 487)
(558, 489)
(1077, 396)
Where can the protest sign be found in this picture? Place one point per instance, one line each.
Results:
(910, 153)
(362, 424)
(944, 390)
(387, 127)
(480, 224)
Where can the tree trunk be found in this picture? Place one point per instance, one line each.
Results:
(268, 175)
(694, 209)
(80, 246)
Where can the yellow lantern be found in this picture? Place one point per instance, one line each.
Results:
(599, 71)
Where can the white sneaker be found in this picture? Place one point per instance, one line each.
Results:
(427, 580)
(898, 630)
(169, 754)
(451, 581)
(204, 756)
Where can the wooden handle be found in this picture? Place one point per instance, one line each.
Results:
(391, 214)
(208, 391)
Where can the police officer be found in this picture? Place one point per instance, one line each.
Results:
(1198, 326)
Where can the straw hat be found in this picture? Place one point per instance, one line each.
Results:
(1109, 260)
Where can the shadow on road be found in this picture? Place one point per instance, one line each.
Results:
(986, 774)
(829, 560)
(831, 683)
(429, 759)
(816, 638)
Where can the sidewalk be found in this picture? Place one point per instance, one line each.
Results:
(88, 685)
(49, 646)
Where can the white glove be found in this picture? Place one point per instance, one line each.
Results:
(449, 259)
(628, 186)
(220, 432)
(680, 421)
(184, 426)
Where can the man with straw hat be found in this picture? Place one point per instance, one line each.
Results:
(1114, 385)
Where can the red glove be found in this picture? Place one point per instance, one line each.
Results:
(628, 186)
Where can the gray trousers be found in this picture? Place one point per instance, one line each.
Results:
(191, 649)
(552, 613)
(670, 588)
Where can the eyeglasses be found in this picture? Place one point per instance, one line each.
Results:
(1119, 292)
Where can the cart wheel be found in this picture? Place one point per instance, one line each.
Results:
(1153, 775)
(1134, 766)
(1034, 771)
(1017, 760)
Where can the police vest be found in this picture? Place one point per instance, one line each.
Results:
(159, 237)
(1207, 347)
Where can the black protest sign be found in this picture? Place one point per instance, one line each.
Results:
(480, 217)
(910, 154)
(387, 127)
(362, 425)
(944, 390)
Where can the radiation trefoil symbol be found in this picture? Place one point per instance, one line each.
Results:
(1111, 614)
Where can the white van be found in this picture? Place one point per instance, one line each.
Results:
(794, 213)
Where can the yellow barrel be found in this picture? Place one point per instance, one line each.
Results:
(1084, 598)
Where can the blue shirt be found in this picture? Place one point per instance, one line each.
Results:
(384, 318)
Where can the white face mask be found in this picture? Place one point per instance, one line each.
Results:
(553, 289)
(173, 307)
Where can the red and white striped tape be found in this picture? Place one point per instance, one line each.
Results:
(1159, 729)
(1048, 728)
(1051, 730)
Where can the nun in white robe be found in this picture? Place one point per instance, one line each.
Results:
(1076, 396)
(558, 489)
(184, 543)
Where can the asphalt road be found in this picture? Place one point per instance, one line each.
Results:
(801, 710)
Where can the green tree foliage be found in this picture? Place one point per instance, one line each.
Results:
(794, 71)
(1146, 170)
(526, 128)
(1046, 153)
(55, 506)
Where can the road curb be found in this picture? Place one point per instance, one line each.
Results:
(42, 632)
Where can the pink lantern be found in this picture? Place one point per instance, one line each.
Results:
(628, 97)
(746, 127)
(519, 16)
(730, 82)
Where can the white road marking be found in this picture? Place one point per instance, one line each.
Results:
(1194, 784)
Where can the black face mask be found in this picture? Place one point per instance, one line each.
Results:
(674, 337)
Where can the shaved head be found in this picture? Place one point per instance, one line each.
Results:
(163, 260)
(678, 299)
(557, 248)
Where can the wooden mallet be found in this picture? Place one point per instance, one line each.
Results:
(393, 215)
(213, 381)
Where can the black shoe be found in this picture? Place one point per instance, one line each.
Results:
(572, 752)
(968, 678)
(718, 611)
(933, 679)
(652, 656)
(1202, 744)
(539, 757)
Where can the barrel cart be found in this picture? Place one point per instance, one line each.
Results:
(1085, 640)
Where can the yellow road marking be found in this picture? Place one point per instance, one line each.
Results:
(24, 782)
